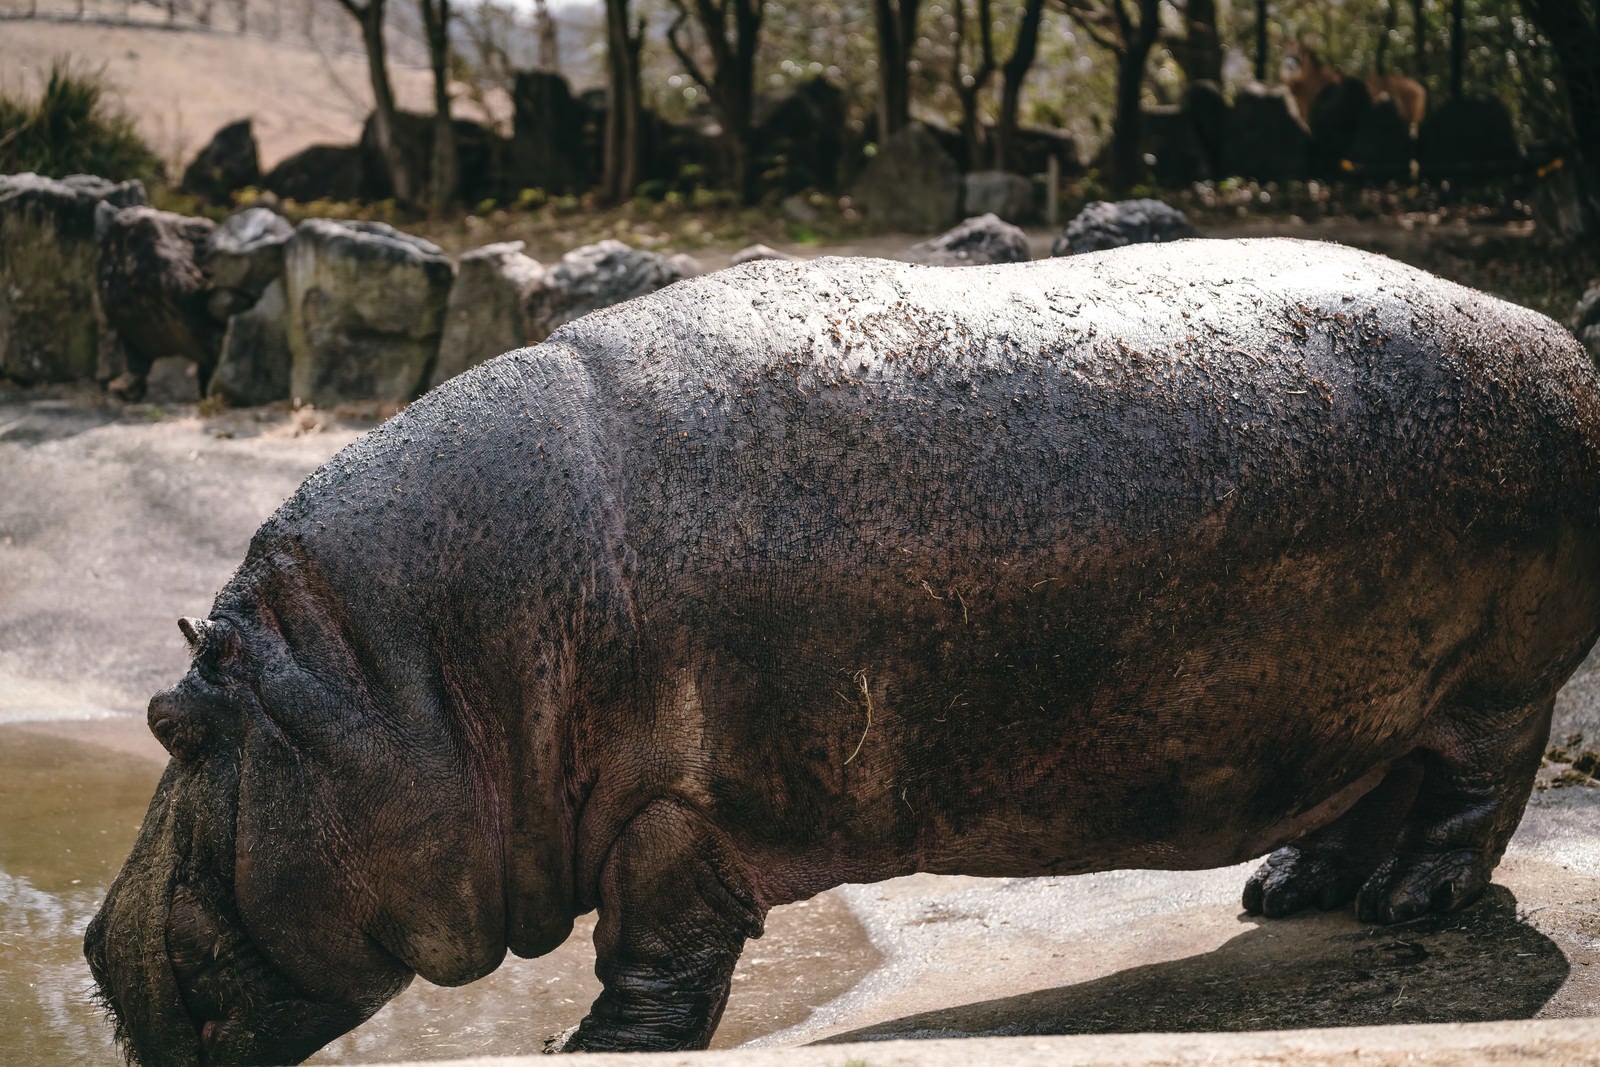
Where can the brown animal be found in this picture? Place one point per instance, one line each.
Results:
(1305, 74)
(1409, 97)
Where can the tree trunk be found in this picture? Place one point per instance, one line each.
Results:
(443, 180)
(1012, 76)
(1391, 13)
(370, 15)
(1419, 41)
(1201, 53)
(731, 81)
(897, 35)
(1261, 40)
(1127, 163)
(622, 104)
(969, 88)
(1458, 49)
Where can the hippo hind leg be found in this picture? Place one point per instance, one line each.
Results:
(1428, 837)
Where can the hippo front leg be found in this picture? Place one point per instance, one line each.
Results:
(674, 916)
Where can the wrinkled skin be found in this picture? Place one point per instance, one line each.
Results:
(794, 575)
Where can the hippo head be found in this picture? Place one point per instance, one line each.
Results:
(311, 846)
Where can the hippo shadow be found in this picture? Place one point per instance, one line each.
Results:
(1315, 970)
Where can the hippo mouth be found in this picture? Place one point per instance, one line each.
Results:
(243, 1009)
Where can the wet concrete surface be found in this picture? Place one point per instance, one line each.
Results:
(115, 521)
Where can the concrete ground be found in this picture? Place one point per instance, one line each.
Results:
(113, 521)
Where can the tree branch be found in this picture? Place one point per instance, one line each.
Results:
(689, 65)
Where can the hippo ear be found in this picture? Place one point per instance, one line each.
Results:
(194, 632)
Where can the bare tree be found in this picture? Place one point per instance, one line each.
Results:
(897, 37)
(624, 39)
(443, 181)
(370, 17)
(1013, 74)
(970, 79)
(730, 81)
(1112, 25)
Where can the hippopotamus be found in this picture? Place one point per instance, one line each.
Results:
(798, 574)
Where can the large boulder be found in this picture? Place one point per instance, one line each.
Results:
(995, 192)
(253, 368)
(983, 239)
(1336, 114)
(243, 256)
(1103, 225)
(366, 306)
(597, 276)
(1262, 138)
(547, 140)
(1381, 146)
(225, 165)
(1467, 137)
(50, 320)
(799, 137)
(321, 172)
(1585, 321)
(152, 289)
(911, 184)
(480, 158)
(756, 252)
(485, 314)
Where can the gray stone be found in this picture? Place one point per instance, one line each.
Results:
(484, 317)
(995, 192)
(1262, 138)
(911, 184)
(984, 239)
(50, 319)
(593, 277)
(366, 305)
(152, 289)
(254, 366)
(1104, 224)
(245, 252)
(751, 253)
(172, 380)
(229, 162)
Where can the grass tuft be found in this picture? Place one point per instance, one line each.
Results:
(72, 127)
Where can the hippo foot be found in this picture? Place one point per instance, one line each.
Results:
(1409, 886)
(1295, 878)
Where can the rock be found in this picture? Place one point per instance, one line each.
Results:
(1566, 203)
(1381, 146)
(321, 172)
(225, 165)
(244, 256)
(254, 366)
(1103, 225)
(153, 291)
(480, 158)
(1168, 137)
(797, 208)
(593, 277)
(1262, 139)
(50, 319)
(1585, 321)
(366, 305)
(1336, 114)
(911, 184)
(547, 142)
(172, 380)
(994, 192)
(800, 136)
(751, 253)
(983, 239)
(484, 316)
(1467, 137)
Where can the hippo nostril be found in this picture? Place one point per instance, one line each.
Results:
(180, 731)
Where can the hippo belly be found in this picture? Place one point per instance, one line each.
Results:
(795, 575)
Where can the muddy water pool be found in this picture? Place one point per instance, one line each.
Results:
(71, 799)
